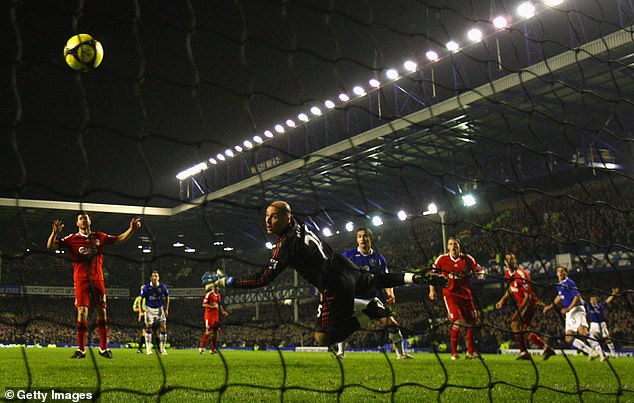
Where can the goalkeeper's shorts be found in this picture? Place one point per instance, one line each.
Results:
(336, 315)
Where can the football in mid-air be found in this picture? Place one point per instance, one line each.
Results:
(82, 52)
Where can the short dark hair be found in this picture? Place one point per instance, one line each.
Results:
(368, 231)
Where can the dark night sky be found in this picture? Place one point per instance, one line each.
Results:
(180, 84)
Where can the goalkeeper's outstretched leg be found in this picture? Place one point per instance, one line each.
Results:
(389, 280)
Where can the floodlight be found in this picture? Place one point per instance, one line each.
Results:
(474, 35)
(431, 55)
(358, 90)
(402, 215)
(431, 209)
(526, 10)
(452, 46)
(392, 74)
(468, 200)
(410, 65)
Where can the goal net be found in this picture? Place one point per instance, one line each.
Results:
(506, 124)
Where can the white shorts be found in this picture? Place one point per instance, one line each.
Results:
(575, 318)
(154, 315)
(599, 330)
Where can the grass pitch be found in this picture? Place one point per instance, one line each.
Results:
(270, 376)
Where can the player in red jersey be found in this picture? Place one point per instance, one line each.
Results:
(521, 287)
(213, 309)
(458, 268)
(86, 250)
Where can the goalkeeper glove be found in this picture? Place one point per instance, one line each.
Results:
(206, 278)
(219, 280)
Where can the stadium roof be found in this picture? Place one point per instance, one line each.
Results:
(568, 107)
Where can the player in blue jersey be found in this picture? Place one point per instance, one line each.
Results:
(157, 303)
(370, 260)
(576, 322)
(598, 323)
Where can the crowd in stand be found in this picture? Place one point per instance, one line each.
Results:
(44, 320)
(534, 228)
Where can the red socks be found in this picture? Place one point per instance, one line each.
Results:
(82, 329)
(102, 330)
(454, 335)
(470, 341)
(536, 340)
(204, 340)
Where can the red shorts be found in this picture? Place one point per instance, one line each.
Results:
(526, 318)
(212, 323)
(461, 308)
(90, 293)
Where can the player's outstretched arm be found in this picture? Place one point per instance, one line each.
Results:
(502, 300)
(135, 224)
(56, 229)
(615, 293)
(552, 304)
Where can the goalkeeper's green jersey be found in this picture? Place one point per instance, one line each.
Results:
(137, 304)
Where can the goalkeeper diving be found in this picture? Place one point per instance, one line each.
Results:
(337, 278)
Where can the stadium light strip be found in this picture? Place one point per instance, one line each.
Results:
(526, 10)
(92, 207)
